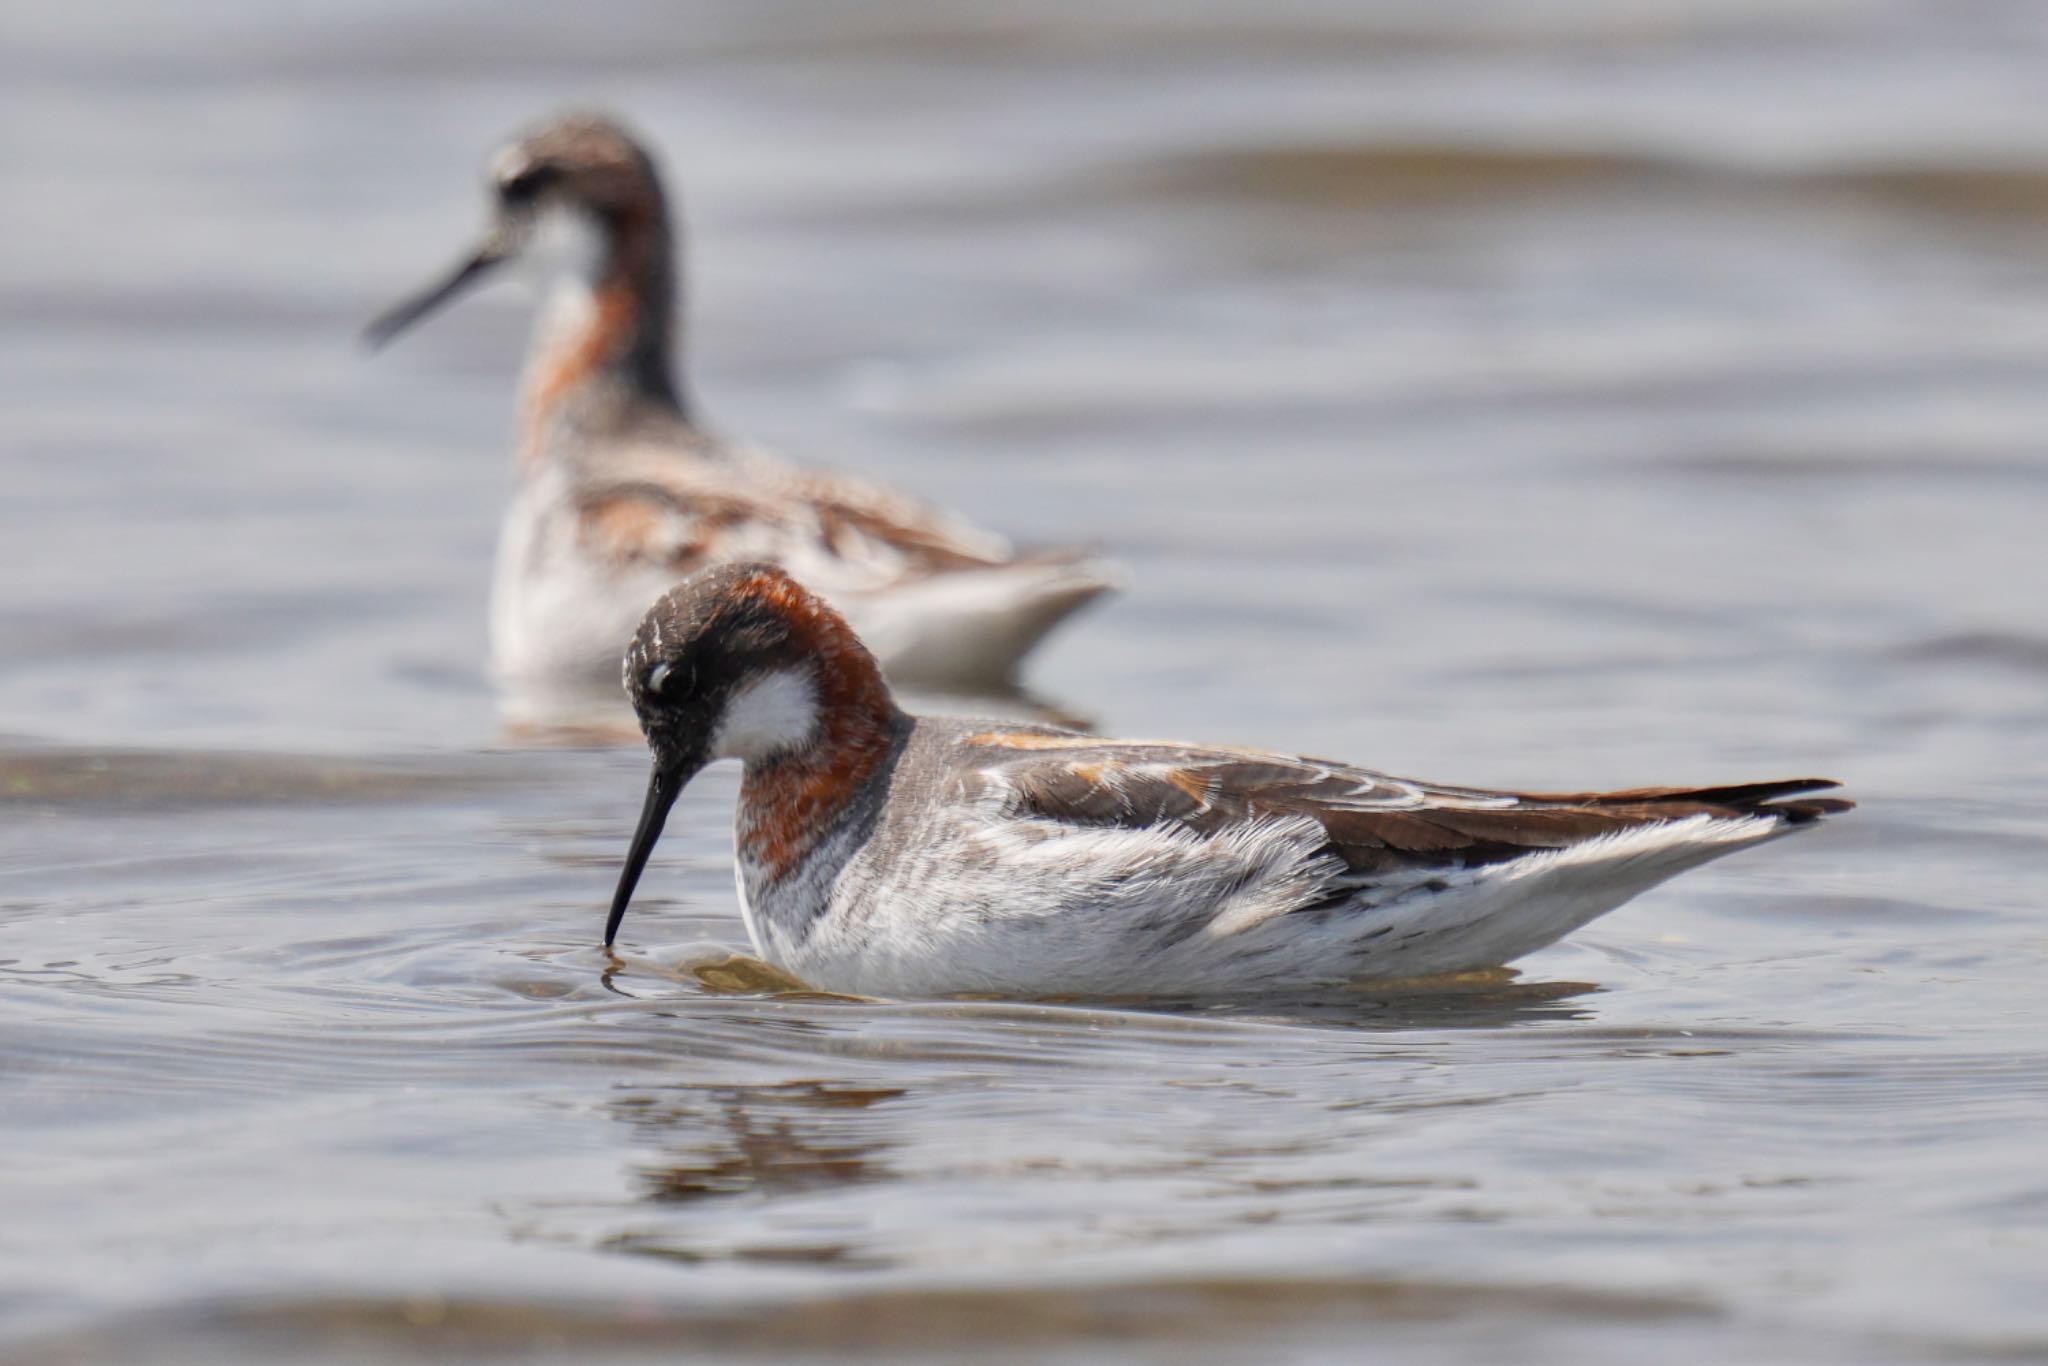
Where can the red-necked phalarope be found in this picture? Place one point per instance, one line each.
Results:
(621, 493)
(893, 855)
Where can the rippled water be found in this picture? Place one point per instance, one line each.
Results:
(1574, 394)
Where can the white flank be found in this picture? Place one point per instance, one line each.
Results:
(1498, 913)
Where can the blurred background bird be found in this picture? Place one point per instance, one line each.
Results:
(622, 491)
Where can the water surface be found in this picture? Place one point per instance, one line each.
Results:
(1561, 395)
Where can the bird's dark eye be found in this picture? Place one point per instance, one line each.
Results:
(529, 181)
(668, 679)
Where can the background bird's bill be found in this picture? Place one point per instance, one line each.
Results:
(493, 252)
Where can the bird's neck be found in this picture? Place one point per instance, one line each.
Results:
(793, 802)
(603, 356)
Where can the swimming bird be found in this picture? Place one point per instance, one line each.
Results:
(886, 854)
(621, 491)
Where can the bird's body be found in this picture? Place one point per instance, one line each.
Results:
(893, 855)
(583, 551)
(621, 492)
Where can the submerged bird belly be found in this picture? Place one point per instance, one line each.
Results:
(1092, 914)
(936, 913)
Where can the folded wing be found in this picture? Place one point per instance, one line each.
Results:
(1375, 822)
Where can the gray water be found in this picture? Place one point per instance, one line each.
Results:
(1563, 395)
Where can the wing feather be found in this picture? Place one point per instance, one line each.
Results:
(682, 517)
(1375, 823)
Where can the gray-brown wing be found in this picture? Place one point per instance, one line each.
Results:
(1374, 822)
(693, 517)
(857, 518)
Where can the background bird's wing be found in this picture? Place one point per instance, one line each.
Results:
(858, 519)
(827, 525)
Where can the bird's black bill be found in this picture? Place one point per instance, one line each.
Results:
(662, 790)
(395, 320)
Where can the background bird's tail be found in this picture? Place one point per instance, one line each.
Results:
(971, 628)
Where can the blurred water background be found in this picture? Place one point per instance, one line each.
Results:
(1596, 392)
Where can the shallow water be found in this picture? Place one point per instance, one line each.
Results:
(1563, 395)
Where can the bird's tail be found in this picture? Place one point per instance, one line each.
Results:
(1742, 799)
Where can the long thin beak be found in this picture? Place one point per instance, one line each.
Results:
(663, 787)
(488, 257)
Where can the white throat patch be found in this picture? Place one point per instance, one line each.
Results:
(775, 712)
(563, 246)
(562, 257)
